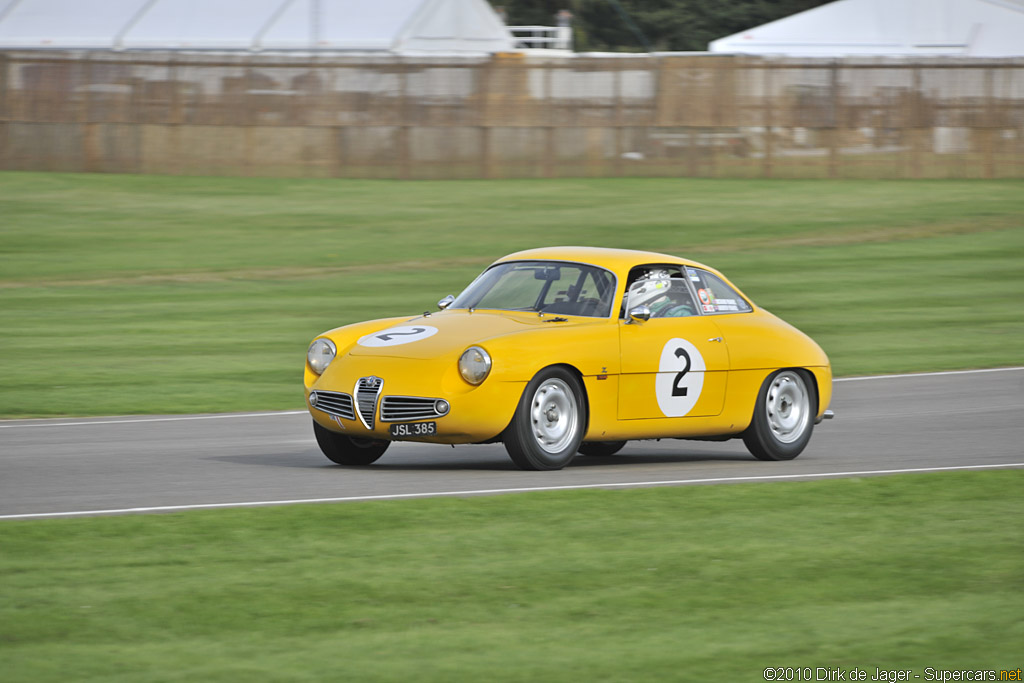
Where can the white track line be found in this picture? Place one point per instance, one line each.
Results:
(531, 489)
(43, 422)
(134, 420)
(926, 374)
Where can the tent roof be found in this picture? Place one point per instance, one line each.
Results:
(307, 25)
(975, 28)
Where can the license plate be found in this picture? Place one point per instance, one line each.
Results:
(412, 430)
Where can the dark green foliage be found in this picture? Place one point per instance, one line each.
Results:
(666, 25)
(531, 12)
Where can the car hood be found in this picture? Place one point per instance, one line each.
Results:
(451, 332)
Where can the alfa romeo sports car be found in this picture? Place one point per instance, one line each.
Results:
(570, 350)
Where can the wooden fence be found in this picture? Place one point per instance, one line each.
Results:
(511, 116)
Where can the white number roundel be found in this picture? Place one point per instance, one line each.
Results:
(393, 336)
(680, 377)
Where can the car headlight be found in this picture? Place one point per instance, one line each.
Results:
(321, 353)
(474, 365)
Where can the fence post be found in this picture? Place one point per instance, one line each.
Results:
(989, 127)
(917, 124)
(85, 119)
(405, 128)
(339, 131)
(548, 155)
(5, 111)
(661, 97)
(767, 164)
(484, 130)
(250, 116)
(617, 121)
(172, 121)
(833, 136)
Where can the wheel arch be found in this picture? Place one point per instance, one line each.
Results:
(579, 378)
(812, 379)
(808, 375)
(775, 432)
(750, 405)
(583, 388)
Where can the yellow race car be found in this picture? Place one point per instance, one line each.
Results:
(570, 350)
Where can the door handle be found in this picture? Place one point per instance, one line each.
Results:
(715, 339)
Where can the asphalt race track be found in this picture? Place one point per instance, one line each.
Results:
(67, 467)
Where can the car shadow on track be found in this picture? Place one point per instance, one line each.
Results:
(657, 459)
(491, 459)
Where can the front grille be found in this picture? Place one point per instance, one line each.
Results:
(367, 391)
(333, 403)
(406, 408)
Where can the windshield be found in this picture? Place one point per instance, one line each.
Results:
(543, 286)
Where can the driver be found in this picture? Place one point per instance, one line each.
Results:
(665, 296)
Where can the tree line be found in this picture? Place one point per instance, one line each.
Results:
(650, 25)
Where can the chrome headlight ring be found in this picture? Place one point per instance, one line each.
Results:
(474, 365)
(321, 353)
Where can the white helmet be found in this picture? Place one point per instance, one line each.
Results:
(648, 288)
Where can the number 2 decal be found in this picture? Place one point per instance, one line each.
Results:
(387, 337)
(680, 377)
(676, 389)
(393, 336)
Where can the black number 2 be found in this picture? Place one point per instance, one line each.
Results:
(676, 389)
(389, 335)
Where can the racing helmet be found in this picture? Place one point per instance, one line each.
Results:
(651, 286)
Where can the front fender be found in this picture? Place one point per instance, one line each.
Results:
(345, 337)
(592, 349)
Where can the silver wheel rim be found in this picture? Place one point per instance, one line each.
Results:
(788, 407)
(554, 415)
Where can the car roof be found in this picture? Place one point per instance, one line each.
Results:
(615, 260)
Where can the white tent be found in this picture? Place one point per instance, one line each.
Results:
(394, 26)
(969, 28)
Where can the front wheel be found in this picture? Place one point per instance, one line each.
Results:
(783, 417)
(346, 450)
(548, 425)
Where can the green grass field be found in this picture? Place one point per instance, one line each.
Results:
(149, 294)
(143, 294)
(710, 583)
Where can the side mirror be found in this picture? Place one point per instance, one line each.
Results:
(445, 302)
(640, 314)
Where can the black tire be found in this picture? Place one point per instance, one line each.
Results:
(599, 448)
(345, 450)
(783, 416)
(549, 422)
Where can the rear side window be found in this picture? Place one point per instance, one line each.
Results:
(714, 295)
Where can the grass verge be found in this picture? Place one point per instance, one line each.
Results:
(690, 583)
(150, 294)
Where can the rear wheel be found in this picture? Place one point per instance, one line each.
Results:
(783, 417)
(549, 421)
(599, 448)
(346, 450)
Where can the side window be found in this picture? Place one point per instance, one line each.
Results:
(667, 297)
(715, 296)
(662, 288)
